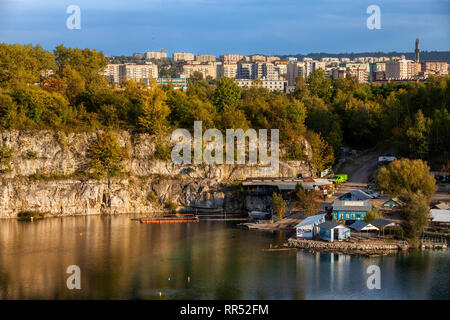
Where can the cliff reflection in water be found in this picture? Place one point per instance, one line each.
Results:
(122, 259)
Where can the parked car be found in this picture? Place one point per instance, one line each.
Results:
(372, 193)
(339, 178)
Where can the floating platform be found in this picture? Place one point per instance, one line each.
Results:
(159, 220)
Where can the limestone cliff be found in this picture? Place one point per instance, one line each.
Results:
(144, 188)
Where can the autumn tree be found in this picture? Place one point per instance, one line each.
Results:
(278, 205)
(155, 111)
(406, 176)
(322, 153)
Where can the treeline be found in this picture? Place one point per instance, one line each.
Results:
(330, 113)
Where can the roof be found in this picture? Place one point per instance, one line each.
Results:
(346, 205)
(311, 220)
(442, 206)
(359, 195)
(381, 223)
(438, 215)
(362, 226)
(328, 225)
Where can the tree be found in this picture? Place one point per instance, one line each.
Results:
(320, 85)
(414, 142)
(154, 111)
(373, 215)
(278, 205)
(106, 156)
(322, 153)
(406, 176)
(415, 215)
(227, 94)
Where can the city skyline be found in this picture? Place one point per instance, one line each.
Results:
(267, 27)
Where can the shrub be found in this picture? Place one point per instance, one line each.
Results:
(6, 154)
(162, 152)
(278, 205)
(172, 206)
(373, 214)
(106, 156)
(152, 196)
(27, 215)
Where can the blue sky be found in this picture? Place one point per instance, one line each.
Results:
(229, 26)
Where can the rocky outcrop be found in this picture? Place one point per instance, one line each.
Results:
(144, 188)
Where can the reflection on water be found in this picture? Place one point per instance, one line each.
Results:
(122, 259)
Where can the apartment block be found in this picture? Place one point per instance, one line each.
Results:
(137, 72)
(402, 69)
(294, 70)
(231, 58)
(271, 85)
(208, 69)
(130, 71)
(183, 56)
(434, 68)
(155, 55)
(205, 58)
(244, 71)
(229, 70)
(258, 58)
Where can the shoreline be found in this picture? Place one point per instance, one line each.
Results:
(376, 247)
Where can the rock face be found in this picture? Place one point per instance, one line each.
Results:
(147, 185)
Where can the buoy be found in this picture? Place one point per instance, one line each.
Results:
(168, 279)
(160, 293)
(81, 234)
(189, 279)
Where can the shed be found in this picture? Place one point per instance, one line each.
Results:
(363, 226)
(441, 206)
(441, 216)
(393, 203)
(307, 228)
(351, 210)
(331, 231)
(383, 223)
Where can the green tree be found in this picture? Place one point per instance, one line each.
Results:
(227, 94)
(320, 85)
(6, 153)
(322, 154)
(154, 111)
(406, 176)
(415, 215)
(106, 156)
(414, 143)
(278, 205)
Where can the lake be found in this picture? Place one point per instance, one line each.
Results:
(123, 259)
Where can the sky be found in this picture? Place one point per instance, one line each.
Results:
(278, 27)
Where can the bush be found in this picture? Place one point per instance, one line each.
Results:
(162, 152)
(27, 215)
(172, 206)
(373, 214)
(153, 197)
(278, 205)
(106, 156)
(6, 154)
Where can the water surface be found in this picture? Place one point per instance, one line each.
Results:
(123, 259)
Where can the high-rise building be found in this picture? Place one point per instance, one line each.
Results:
(271, 85)
(402, 69)
(228, 70)
(183, 56)
(244, 71)
(294, 70)
(258, 58)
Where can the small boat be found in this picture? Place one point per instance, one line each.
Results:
(260, 215)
